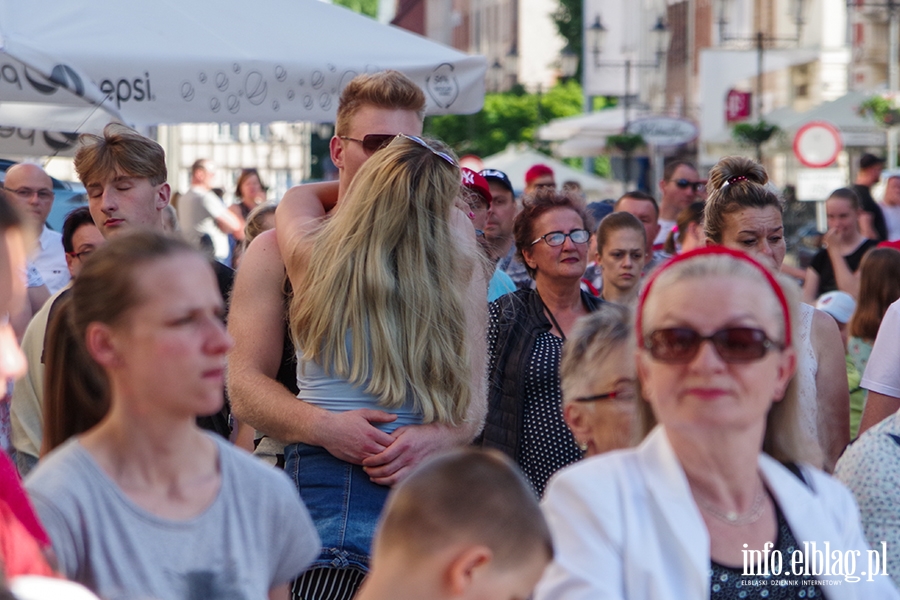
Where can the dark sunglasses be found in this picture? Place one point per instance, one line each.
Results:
(627, 394)
(374, 142)
(698, 186)
(558, 238)
(679, 345)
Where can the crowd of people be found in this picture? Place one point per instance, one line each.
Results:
(448, 391)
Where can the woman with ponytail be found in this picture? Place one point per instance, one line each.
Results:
(742, 212)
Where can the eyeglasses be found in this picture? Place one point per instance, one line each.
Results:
(734, 345)
(683, 184)
(373, 142)
(558, 238)
(625, 394)
(27, 193)
(83, 254)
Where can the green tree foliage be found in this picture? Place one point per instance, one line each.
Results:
(363, 7)
(570, 24)
(509, 117)
(513, 117)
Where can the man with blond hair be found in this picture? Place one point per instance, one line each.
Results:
(372, 110)
(125, 174)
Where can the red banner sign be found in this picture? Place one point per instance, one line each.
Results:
(737, 106)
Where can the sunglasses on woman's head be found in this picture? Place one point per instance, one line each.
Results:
(734, 345)
(374, 142)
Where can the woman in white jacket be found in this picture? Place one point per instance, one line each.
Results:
(708, 506)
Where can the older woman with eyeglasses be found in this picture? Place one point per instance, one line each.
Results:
(717, 502)
(599, 381)
(526, 336)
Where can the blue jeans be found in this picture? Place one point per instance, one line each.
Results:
(343, 503)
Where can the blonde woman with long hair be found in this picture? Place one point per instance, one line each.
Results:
(388, 319)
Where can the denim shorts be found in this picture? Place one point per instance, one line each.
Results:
(343, 503)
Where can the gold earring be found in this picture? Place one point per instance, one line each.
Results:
(583, 446)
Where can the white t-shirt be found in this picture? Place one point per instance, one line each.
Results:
(891, 220)
(50, 259)
(198, 210)
(665, 227)
(883, 369)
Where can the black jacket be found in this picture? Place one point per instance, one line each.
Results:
(517, 319)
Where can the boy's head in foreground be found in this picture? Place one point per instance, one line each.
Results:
(464, 525)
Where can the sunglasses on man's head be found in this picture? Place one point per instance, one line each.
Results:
(734, 345)
(698, 186)
(374, 142)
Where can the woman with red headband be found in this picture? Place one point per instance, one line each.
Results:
(744, 214)
(718, 501)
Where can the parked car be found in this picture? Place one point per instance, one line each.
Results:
(69, 195)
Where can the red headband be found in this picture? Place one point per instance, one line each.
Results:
(718, 250)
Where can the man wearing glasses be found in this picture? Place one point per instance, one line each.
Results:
(680, 186)
(31, 189)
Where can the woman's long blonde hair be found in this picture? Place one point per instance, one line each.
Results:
(386, 277)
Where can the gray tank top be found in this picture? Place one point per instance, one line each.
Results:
(338, 395)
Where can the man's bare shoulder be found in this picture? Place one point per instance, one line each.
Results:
(264, 247)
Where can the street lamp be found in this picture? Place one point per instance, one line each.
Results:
(568, 62)
(597, 34)
(893, 11)
(761, 40)
(503, 72)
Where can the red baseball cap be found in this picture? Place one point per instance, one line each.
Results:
(475, 182)
(538, 170)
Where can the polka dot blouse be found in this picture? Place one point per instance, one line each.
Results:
(728, 583)
(546, 444)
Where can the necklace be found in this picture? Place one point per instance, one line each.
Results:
(552, 318)
(733, 518)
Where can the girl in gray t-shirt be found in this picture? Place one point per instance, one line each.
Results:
(145, 504)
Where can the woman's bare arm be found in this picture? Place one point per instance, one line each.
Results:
(831, 388)
(300, 212)
(878, 408)
(845, 279)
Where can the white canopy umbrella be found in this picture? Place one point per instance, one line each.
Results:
(585, 135)
(171, 61)
(601, 123)
(516, 160)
